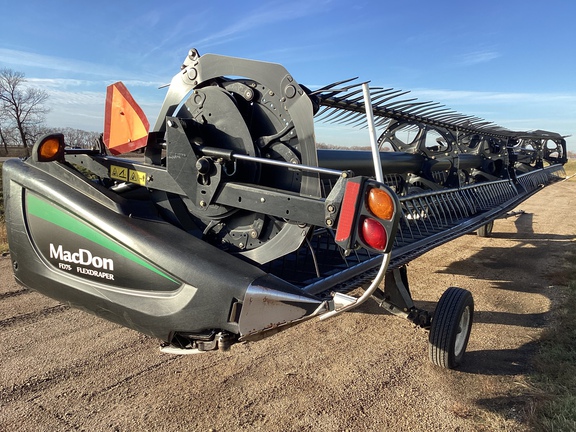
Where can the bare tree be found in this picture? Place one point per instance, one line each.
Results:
(3, 137)
(79, 138)
(20, 105)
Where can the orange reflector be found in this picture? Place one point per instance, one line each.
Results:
(380, 204)
(125, 124)
(374, 234)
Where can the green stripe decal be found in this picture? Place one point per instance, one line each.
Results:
(49, 213)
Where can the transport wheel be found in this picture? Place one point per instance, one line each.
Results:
(450, 330)
(485, 230)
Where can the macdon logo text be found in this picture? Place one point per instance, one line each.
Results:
(83, 256)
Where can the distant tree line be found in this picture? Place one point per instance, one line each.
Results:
(77, 138)
(321, 145)
(22, 114)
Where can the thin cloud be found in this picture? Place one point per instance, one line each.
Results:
(268, 14)
(140, 83)
(475, 97)
(81, 98)
(477, 57)
(56, 83)
(18, 59)
(65, 86)
(40, 61)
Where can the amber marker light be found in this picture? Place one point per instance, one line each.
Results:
(380, 204)
(49, 148)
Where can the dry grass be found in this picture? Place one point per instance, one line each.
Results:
(570, 169)
(14, 152)
(3, 237)
(555, 363)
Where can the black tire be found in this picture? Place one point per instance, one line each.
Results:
(451, 326)
(485, 230)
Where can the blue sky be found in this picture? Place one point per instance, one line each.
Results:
(510, 62)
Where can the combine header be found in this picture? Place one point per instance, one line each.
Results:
(235, 226)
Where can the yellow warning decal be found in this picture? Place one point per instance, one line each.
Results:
(127, 175)
(137, 177)
(118, 173)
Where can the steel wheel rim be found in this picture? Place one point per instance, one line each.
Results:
(462, 331)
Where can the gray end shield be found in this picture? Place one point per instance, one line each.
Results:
(271, 303)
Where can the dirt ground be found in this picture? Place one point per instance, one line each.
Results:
(63, 369)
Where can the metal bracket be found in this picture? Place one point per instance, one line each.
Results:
(397, 299)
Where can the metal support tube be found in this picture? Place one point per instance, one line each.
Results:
(379, 177)
(367, 294)
(372, 129)
(288, 165)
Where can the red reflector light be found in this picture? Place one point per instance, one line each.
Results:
(347, 211)
(374, 234)
(380, 204)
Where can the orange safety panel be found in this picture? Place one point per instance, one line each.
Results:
(125, 124)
